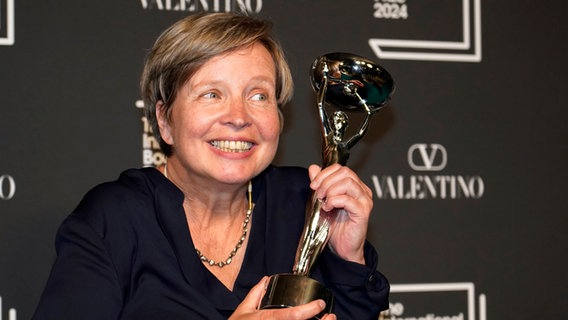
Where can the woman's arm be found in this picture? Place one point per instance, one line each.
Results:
(83, 283)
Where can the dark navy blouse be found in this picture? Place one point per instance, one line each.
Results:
(126, 253)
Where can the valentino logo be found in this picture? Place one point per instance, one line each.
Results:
(427, 157)
(249, 6)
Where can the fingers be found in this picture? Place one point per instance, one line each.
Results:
(252, 300)
(313, 171)
(248, 309)
(305, 311)
(329, 316)
(340, 187)
(343, 192)
(323, 179)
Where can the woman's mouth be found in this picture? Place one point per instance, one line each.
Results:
(231, 145)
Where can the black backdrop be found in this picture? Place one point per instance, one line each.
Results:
(467, 162)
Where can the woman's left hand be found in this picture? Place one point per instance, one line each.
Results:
(343, 193)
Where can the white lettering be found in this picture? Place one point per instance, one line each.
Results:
(11, 312)
(250, 6)
(396, 311)
(149, 142)
(152, 159)
(150, 4)
(417, 187)
(429, 316)
(390, 9)
(7, 187)
(476, 187)
(147, 128)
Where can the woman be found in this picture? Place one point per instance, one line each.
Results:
(197, 238)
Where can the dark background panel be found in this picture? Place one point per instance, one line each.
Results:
(68, 121)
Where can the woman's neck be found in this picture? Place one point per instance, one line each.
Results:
(207, 199)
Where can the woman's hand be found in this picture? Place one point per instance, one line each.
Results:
(248, 308)
(343, 192)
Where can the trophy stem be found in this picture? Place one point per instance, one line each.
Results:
(318, 223)
(314, 238)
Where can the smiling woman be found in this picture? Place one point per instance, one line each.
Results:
(217, 109)
(196, 237)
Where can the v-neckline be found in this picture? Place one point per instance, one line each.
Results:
(171, 215)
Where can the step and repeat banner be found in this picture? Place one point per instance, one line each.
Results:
(467, 163)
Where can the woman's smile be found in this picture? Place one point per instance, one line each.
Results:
(232, 146)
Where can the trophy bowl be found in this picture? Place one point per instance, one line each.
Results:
(352, 81)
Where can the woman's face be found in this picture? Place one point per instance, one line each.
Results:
(224, 122)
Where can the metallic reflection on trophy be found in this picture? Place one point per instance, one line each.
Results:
(350, 83)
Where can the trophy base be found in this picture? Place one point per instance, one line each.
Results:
(288, 290)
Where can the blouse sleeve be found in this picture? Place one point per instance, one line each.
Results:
(83, 282)
(360, 291)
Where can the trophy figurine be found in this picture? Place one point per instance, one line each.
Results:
(350, 83)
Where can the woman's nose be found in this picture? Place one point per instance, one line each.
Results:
(237, 114)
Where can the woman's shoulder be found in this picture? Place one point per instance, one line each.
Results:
(132, 193)
(131, 184)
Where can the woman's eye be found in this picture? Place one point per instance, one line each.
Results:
(211, 95)
(259, 97)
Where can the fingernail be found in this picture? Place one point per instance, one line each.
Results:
(321, 303)
(266, 282)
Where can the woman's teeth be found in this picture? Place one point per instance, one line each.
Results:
(232, 146)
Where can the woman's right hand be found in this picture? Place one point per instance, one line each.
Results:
(248, 309)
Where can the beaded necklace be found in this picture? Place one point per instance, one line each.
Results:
(227, 261)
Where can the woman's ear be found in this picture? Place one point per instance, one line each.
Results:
(164, 123)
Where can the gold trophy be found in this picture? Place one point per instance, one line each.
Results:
(349, 83)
